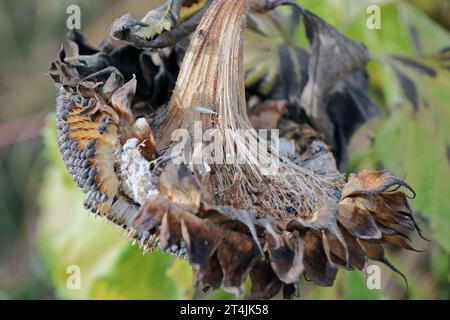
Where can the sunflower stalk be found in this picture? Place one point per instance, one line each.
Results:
(229, 219)
(212, 75)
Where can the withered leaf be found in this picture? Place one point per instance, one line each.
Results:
(124, 28)
(333, 57)
(158, 29)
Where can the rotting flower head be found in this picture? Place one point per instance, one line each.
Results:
(230, 220)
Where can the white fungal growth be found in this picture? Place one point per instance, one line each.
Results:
(138, 182)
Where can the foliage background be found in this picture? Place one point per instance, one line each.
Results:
(43, 228)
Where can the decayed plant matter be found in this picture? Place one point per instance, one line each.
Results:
(115, 123)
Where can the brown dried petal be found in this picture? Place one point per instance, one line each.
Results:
(151, 214)
(399, 240)
(247, 218)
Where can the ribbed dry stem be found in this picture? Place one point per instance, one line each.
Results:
(212, 77)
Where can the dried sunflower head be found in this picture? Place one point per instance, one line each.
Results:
(230, 220)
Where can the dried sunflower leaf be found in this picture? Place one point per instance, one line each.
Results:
(333, 58)
(158, 29)
(159, 20)
(124, 28)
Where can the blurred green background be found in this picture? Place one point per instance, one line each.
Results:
(44, 230)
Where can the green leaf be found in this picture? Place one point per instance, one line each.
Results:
(440, 264)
